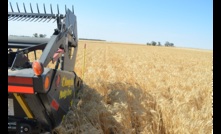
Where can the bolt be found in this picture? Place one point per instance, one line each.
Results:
(26, 129)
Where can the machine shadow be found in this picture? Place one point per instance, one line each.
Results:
(113, 108)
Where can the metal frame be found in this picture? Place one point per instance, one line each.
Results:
(62, 41)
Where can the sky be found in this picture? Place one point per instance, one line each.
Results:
(185, 23)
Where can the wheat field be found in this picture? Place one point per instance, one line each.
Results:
(139, 89)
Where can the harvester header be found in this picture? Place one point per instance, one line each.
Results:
(39, 97)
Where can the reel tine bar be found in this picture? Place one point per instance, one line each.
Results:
(26, 16)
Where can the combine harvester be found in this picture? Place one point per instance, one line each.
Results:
(40, 97)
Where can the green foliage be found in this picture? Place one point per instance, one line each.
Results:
(42, 35)
(168, 44)
(35, 35)
(153, 43)
(39, 36)
(148, 44)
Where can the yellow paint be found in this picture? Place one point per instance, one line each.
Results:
(67, 82)
(63, 117)
(65, 93)
(24, 106)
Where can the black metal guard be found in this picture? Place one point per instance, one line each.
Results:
(18, 125)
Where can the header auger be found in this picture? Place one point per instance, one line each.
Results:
(39, 97)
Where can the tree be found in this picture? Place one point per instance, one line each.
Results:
(171, 44)
(35, 35)
(167, 44)
(159, 44)
(148, 44)
(153, 43)
(42, 35)
(39, 35)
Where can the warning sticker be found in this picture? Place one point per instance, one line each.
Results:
(10, 107)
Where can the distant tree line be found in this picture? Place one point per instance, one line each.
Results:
(154, 43)
(39, 35)
(34, 35)
(91, 39)
(19, 35)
